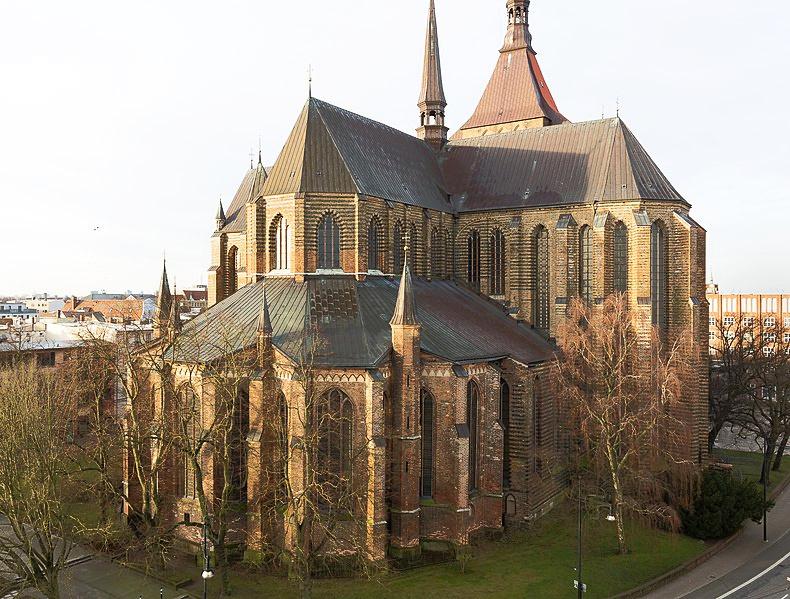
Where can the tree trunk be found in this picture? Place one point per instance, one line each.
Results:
(780, 453)
(765, 471)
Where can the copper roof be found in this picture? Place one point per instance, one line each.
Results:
(432, 91)
(331, 150)
(573, 163)
(352, 319)
(517, 90)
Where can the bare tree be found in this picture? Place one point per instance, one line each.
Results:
(624, 396)
(209, 417)
(730, 373)
(36, 419)
(315, 486)
(765, 413)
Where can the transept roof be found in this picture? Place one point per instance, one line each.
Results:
(352, 320)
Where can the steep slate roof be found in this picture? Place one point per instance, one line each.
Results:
(571, 163)
(250, 189)
(352, 320)
(331, 150)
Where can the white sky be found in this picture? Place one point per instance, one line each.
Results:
(136, 117)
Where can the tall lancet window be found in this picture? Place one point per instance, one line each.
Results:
(374, 245)
(620, 251)
(335, 428)
(472, 416)
(437, 254)
(279, 244)
(585, 264)
(473, 260)
(428, 429)
(540, 280)
(328, 243)
(659, 276)
(233, 270)
(497, 263)
(504, 420)
(397, 248)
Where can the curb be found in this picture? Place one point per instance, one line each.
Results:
(667, 577)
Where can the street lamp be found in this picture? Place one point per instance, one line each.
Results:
(766, 469)
(581, 588)
(207, 572)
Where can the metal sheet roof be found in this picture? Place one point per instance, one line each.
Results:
(331, 150)
(564, 164)
(352, 323)
(250, 189)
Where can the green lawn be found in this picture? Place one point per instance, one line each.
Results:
(539, 563)
(748, 465)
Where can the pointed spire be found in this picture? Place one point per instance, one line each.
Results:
(405, 307)
(264, 319)
(432, 88)
(164, 302)
(220, 218)
(175, 314)
(432, 101)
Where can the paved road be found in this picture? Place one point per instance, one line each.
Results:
(747, 569)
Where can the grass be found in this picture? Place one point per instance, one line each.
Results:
(538, 563)
(748, 465)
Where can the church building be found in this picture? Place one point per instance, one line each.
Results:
(432, 273)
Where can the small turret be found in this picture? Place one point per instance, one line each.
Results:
(221, 219)
(164, 302)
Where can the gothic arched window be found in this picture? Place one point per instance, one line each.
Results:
(413, 242)
(498, 263)
(233, 270)
(428, 430)
(472, 408)
(283, 449)
(374, 245)
(240, 430)
(659, 275)
(540, 280)
(585, 264)
(279, 244)
(328, 243)
(397, 247)
(437, 254)
(473, 259)
(447, 250)
(620, 253)
(504, 420)
(335, 415)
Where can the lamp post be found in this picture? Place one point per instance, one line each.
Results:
(579, 583)
(207, 573)
(766, 469)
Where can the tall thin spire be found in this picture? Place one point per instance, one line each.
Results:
(164, 302)
(264, 319)
(432, 102)
(405, 307)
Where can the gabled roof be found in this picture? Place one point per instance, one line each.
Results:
(572, 163)
(353, 323)
(331, 150)
(251, 188)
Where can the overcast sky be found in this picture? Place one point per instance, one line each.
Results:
(135, 117)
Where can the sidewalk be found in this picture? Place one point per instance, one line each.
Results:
(746, 547)
(99, 578)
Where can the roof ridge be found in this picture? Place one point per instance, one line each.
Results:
(367, 118)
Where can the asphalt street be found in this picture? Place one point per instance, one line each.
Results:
(747, 569)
